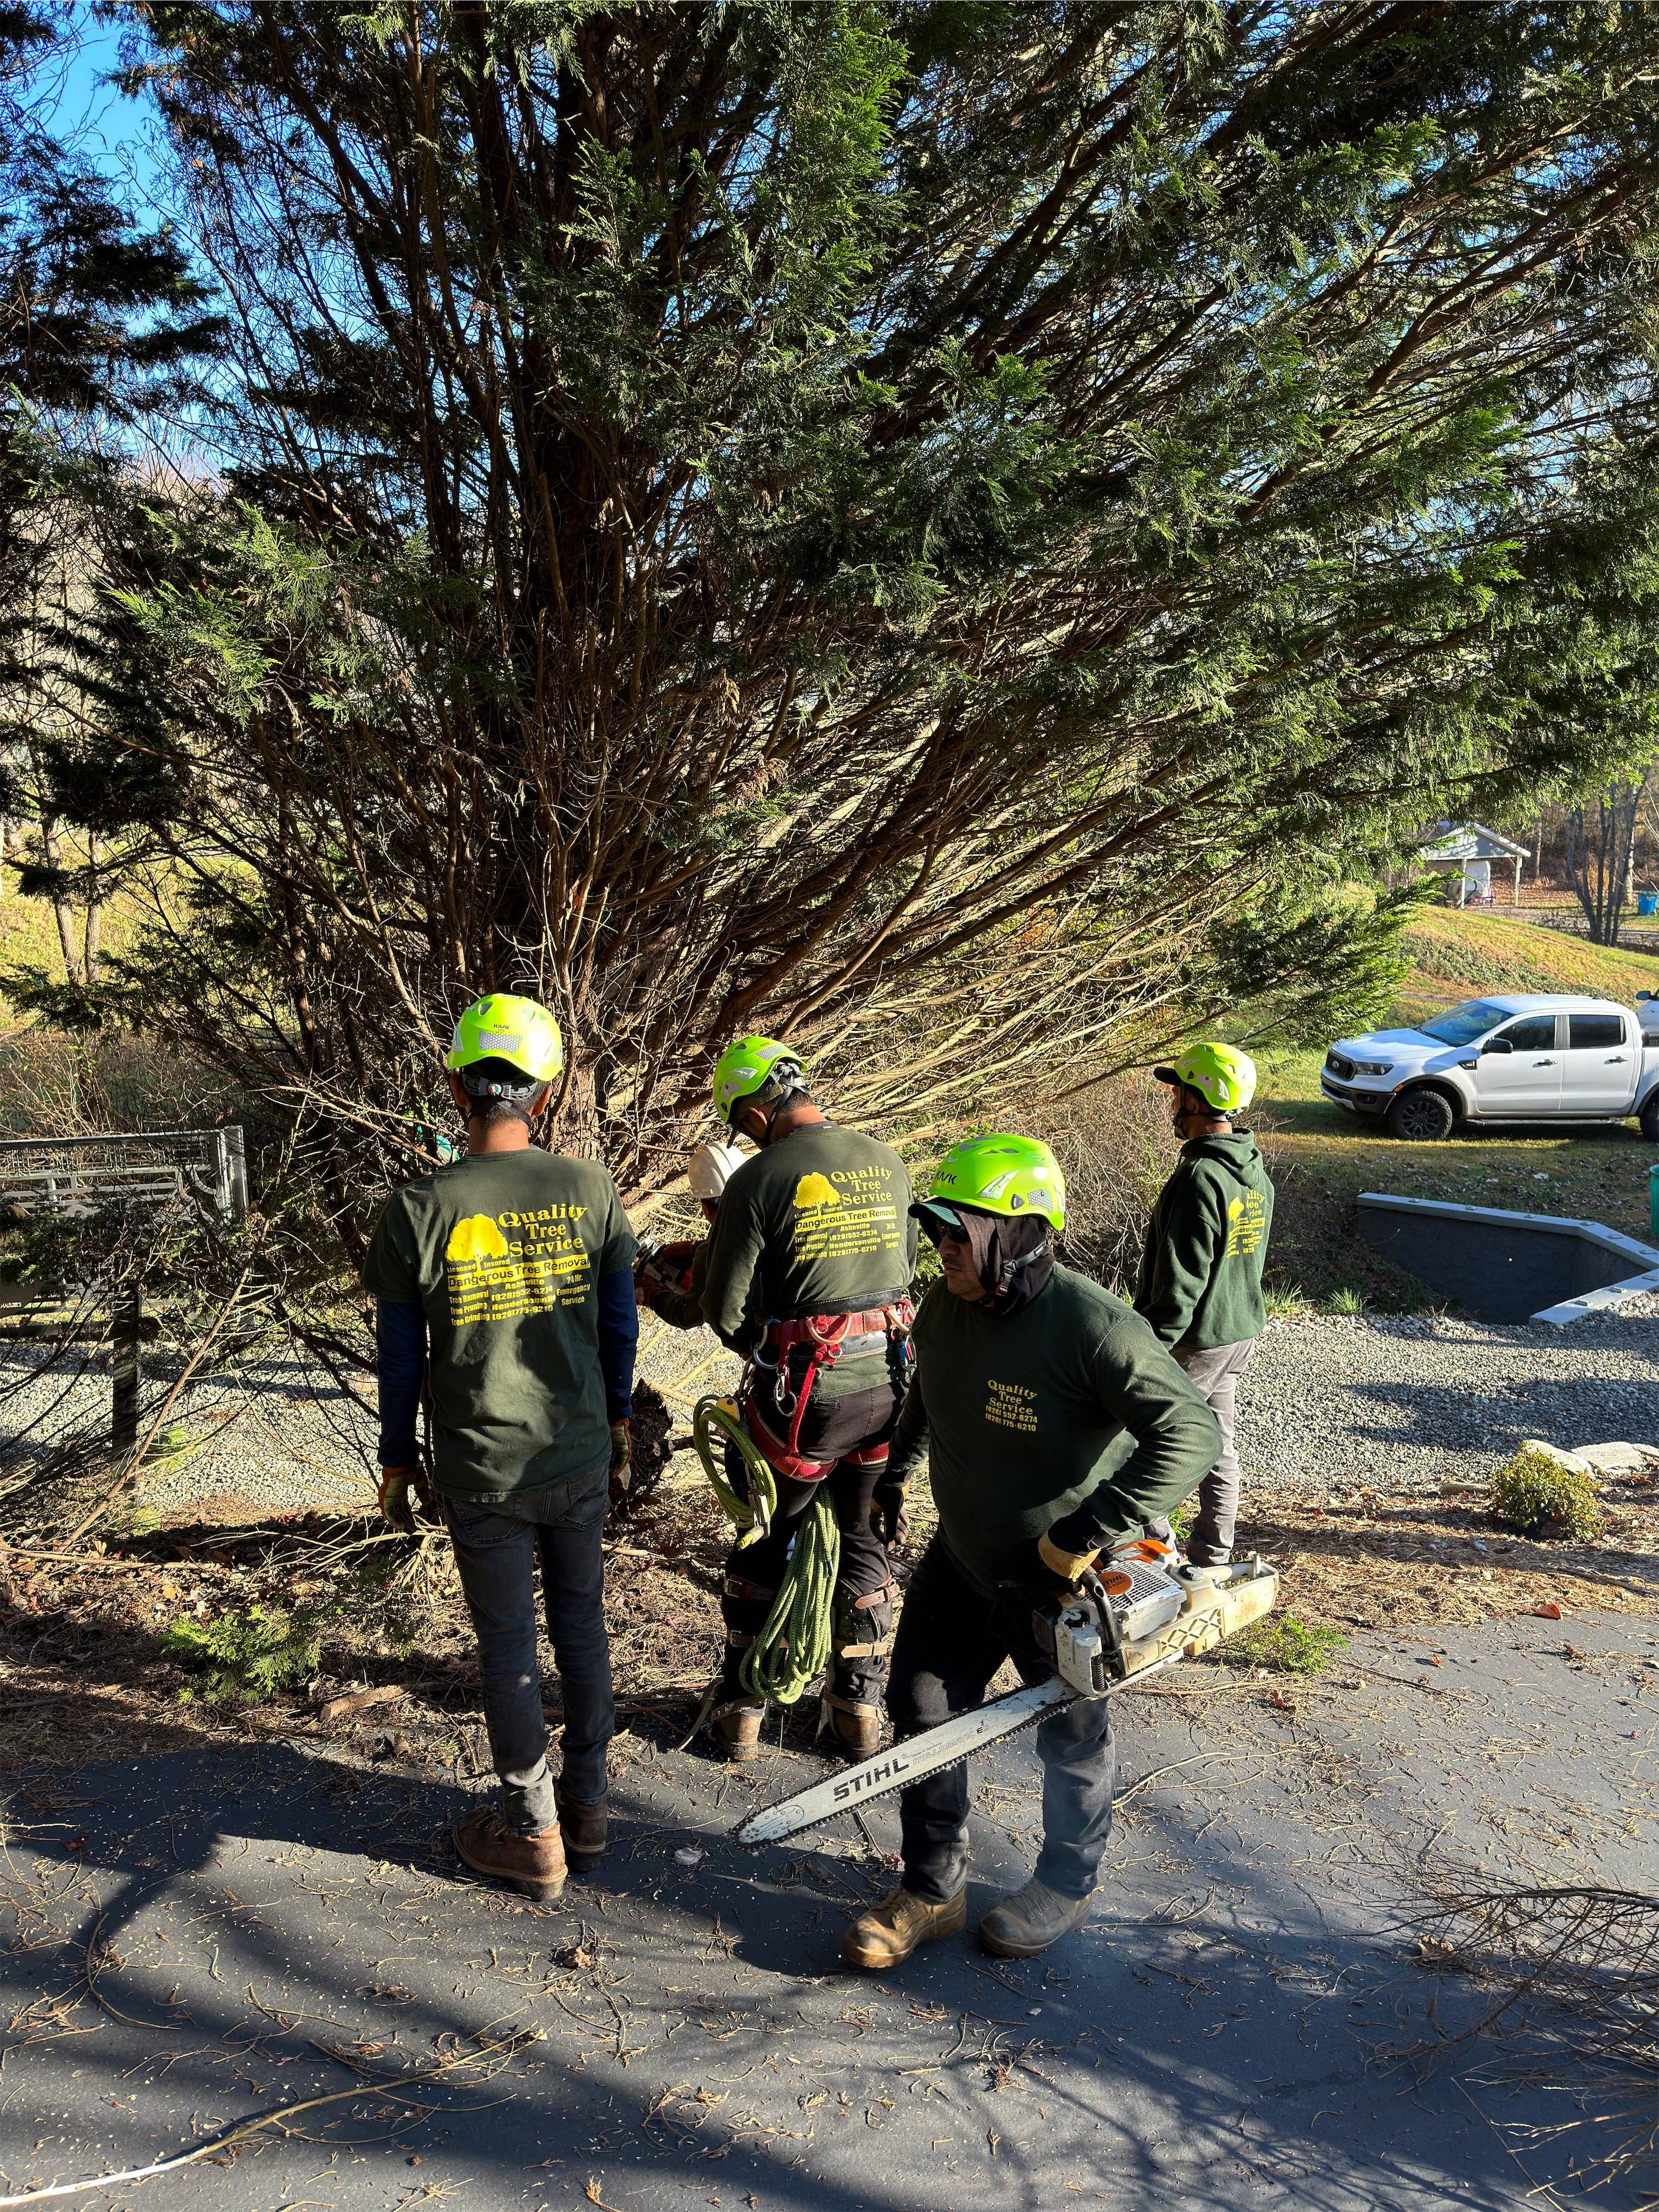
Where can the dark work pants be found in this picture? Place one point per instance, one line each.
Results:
(753, 1575)
(951, 1640)
(496, 1552)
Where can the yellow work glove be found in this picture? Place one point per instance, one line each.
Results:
(1069, 1566)
(621, 1453)
(396, 1484)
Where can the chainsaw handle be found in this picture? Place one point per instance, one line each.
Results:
(1091, 1587)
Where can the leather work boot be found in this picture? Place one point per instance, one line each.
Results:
(582, 1826)
(534, 1864)
(856, 1726)
(1030, 1920)
(737, 1726)
(889, 1931)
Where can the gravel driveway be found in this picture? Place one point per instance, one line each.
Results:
(1400, 1403)
(1412, 1402)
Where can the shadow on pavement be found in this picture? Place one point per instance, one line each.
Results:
(215, 1931)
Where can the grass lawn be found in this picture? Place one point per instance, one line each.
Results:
(1322, 1158)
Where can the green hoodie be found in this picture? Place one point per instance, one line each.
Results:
(1201, 1268)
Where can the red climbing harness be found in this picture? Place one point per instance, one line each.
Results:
(826, 1334)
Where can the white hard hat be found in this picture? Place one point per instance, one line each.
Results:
(711, 1167)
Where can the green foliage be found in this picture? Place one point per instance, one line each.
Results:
(1282, 1644)
(245, 1657)
(877, 522)
(1537, 1495)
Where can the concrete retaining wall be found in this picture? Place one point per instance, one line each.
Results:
(1508, 1266)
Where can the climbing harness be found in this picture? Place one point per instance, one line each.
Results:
(796, 1642)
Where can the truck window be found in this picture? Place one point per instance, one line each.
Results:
(1535, 1034)
(1596, 1032)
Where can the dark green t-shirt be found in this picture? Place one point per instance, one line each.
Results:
(503, 1252)
(1024, 1417)
(1207, 1242)
(818, 1223)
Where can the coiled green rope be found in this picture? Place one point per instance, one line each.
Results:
(716, 1419)
(794, 1643)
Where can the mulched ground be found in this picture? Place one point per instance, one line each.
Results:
(82, 1675)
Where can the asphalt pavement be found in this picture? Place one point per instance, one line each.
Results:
(214, 1932)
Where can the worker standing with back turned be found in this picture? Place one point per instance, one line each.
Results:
(517, 1264)
(1201, 1271)
(808, 1277)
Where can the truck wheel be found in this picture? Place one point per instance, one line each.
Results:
(1420, 1116)
(1649, 1118)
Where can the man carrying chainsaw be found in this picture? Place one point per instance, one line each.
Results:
(516, 1266)
(808, 1271)
(670, 1278)
(1054, 1426)
(1200, 1271)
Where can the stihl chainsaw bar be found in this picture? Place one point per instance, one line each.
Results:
(1093, 1657)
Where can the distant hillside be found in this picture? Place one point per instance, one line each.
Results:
(1458, 956)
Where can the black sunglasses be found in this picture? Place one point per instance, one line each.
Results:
(944, 1232)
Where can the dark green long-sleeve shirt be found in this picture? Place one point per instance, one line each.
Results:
(1207, 1242)
(1067, 1410)
(819, 1222)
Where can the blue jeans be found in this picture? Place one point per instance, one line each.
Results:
(950, 1641)
(496, 1549)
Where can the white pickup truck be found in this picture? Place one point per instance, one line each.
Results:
(1521, 1057)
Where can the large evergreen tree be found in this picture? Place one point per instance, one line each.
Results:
(102, 324)
(945, 530)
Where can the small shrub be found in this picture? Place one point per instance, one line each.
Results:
(1349, 1301)
(1540, 1496)
(1284, 1645)
(245, 1657)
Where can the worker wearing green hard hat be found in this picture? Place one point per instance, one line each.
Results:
(1200, 1288)
(505, 1282)
(808, 1276)
(1054, 1426)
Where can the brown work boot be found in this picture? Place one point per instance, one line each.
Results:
(534, 1864)
(582, 1826)
(1030, 1920)
(857, 1726)
(889, 1931)
(737, 1726)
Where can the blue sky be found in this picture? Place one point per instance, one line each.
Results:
(86, 112)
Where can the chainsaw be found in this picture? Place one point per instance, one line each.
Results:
(1121, 1626)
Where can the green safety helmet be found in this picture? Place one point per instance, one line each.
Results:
(504, 1027)
(1221, 1074)
(997, 1175)
(748, 1064)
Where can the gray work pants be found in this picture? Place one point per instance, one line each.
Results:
(497, 1550)
(1214, 1375)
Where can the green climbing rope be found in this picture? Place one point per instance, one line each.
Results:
(794, 1644)
(716, 1419)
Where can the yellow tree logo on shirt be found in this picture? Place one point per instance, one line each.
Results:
(816, 1190)
(476, 1237)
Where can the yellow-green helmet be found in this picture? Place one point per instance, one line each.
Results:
(1000, 1174)
(1221, 1074)
(750, 1064)
(504, 1027)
